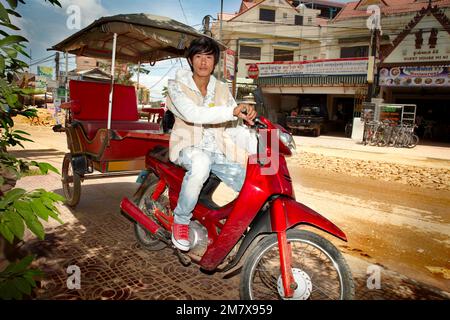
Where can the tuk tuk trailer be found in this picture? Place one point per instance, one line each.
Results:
(105, 136)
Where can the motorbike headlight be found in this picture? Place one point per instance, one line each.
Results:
(288, 141)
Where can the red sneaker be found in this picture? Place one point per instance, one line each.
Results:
(180, 236)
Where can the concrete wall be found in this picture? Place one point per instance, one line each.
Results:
(304, 40)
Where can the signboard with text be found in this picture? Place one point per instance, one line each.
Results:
(351, 66)
(229, 72)
(44, 71)
(428, 41)
(426, 76)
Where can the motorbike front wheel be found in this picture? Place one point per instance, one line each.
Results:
(319, 270)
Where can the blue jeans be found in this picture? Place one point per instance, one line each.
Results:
(199, 163)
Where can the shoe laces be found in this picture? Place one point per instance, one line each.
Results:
(182, 231)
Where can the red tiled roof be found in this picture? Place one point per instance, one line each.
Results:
(247, 5)
(326, 3)
(393, 7)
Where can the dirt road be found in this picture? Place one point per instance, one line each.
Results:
(399, 226)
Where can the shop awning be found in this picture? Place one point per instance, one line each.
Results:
(312, 81)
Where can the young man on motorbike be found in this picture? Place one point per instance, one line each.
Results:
(206, 136)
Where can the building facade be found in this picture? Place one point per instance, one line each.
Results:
(297, 58)
(413, 55)
(269, 31)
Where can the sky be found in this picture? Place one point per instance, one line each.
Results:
(45, 25)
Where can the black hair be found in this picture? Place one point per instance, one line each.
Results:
(203, 45)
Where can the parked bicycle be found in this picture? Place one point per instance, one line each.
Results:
(388, 133)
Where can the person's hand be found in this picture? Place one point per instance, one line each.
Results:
(246, 112)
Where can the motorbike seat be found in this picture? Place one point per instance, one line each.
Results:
(161, 153)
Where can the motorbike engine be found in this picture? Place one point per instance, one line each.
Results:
(198, 236)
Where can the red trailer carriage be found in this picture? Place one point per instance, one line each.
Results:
(104, 132)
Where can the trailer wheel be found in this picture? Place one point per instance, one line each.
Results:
(71, 182)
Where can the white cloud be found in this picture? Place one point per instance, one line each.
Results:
(90, 10)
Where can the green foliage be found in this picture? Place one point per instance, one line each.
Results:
(124, 77)
(18, 208)
(165, 92)
(18, 279)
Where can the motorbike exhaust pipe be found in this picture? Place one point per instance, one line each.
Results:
(136, 214)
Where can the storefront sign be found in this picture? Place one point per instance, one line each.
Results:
(428, 41)
(352, 66)
(392, 113)
(44, 71)
(41, 82)
(253, 71)
(229, 72)
(431, 76)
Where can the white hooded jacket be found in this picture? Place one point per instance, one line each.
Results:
(206, 122)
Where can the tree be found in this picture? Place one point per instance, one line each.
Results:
(18, 208)
(165, 92)
(124, 77)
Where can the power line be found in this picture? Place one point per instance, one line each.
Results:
(42, 60)
(184, 14)
(325, 26)
(154, 85)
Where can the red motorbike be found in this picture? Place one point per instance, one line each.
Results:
(259, 232)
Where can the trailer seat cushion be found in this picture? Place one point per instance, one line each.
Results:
(90, 128)
(90, 101)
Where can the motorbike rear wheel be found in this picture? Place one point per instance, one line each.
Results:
(144, 237)
(319, 269)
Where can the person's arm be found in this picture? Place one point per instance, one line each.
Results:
(186, 109)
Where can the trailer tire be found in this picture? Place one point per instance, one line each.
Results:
(71, 182)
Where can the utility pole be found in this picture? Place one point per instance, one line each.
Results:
(220, 39)
(57, 67)
(372, 67)
(236, 63)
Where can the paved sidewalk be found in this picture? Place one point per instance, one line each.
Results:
(99, 240)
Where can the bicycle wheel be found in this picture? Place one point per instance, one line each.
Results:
(413, 141)
(319, 269)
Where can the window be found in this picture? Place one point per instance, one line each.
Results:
(298, 20)
(250, 53)
(309, 20)
(354, 52)
(283, 55)
(285, 15)
(266, 15)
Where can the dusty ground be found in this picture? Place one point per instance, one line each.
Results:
(401, 223)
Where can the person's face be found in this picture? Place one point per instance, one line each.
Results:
(203, 64)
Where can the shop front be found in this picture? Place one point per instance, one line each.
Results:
(416, 70)
(327, 85)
